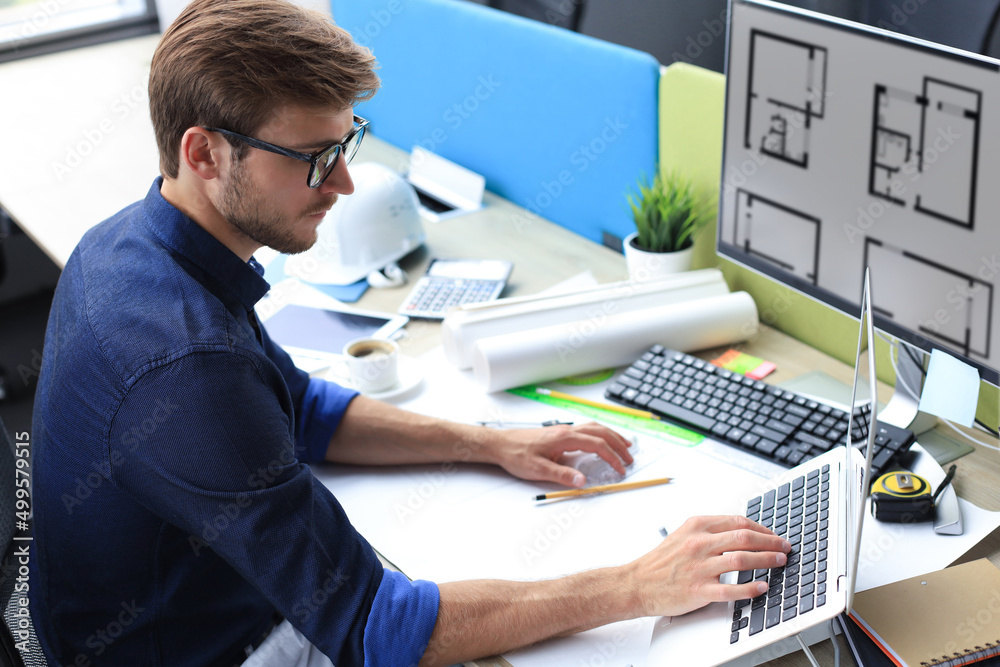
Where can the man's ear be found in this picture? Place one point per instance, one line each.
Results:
(205, 154)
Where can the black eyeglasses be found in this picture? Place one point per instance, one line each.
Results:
(322, 162)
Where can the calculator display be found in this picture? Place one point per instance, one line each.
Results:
(479, 269)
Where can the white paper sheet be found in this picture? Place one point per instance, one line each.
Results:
(453, 521)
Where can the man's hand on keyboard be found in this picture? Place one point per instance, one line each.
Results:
(533, 454)
(682, 573)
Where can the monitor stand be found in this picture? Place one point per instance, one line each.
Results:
(902, 410)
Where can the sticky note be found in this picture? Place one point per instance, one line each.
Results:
(951, 389)
(744, 364)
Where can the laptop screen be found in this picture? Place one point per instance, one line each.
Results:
(857, 480)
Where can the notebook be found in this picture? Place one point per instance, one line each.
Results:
(721, 632)
(950, 617)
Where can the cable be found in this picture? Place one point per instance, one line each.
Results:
(836, 644)
(986, 427)
(913, 357)
(805, 649)
(893, 345)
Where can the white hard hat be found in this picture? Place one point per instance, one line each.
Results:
(365, 231)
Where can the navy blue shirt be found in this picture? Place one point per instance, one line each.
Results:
(175, 517)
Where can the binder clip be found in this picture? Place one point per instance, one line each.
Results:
(902, 497)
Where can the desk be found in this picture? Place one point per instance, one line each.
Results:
(84, 148)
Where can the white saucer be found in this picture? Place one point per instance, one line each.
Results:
(409, 377)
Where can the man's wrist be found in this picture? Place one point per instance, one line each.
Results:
(482, 444)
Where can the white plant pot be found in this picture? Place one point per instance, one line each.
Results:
(644, 265)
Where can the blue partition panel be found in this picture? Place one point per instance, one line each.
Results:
(559, 123)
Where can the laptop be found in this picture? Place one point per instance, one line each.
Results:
(819, 507)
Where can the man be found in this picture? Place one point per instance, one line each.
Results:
(176, 521)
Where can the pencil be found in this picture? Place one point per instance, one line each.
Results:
(645, 414)
(604, 488)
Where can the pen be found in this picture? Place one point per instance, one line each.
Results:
(944, 483)
(503, 424)
(596, 404)
(604, 488)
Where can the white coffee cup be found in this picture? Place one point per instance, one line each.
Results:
(371, 364)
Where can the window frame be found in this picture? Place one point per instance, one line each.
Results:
(145, 23)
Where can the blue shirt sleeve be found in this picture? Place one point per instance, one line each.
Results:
(319, 404)
(401, 607)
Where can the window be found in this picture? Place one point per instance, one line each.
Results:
(31, 27)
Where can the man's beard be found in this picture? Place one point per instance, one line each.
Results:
(245, 209)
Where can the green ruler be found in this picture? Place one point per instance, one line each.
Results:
(654, 427)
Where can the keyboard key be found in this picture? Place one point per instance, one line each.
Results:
(768, 501)
(781, 426)
(756, 620)
(680, 414)
(773, 617)
(766, 446)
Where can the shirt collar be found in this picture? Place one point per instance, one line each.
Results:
(227, 275)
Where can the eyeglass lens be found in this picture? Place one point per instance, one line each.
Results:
(326, 162)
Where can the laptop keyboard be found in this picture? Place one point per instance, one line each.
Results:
(778, 425)
(799, 512)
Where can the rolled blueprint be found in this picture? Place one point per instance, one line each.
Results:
(586, 345)
(463, 327)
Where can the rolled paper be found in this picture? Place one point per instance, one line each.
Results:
(462, 328)
(606, 341)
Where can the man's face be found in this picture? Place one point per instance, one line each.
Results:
(265, 195)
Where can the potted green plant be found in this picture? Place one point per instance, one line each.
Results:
(668, 212)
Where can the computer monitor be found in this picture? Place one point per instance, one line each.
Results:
(847, 146)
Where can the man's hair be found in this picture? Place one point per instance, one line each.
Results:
(234, 63)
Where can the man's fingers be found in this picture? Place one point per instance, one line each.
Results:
(726, 525)
(616, 455)
(737, 561)
(615, 440)
(729, 592)
(550, 471)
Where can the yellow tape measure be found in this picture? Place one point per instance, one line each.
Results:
(902, 497)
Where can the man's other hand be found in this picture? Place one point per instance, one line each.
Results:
(534, 454)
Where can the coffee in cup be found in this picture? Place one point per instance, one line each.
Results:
(371, 364)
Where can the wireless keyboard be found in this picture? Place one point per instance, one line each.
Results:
(778, 425)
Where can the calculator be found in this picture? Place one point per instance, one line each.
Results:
(453, 282)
